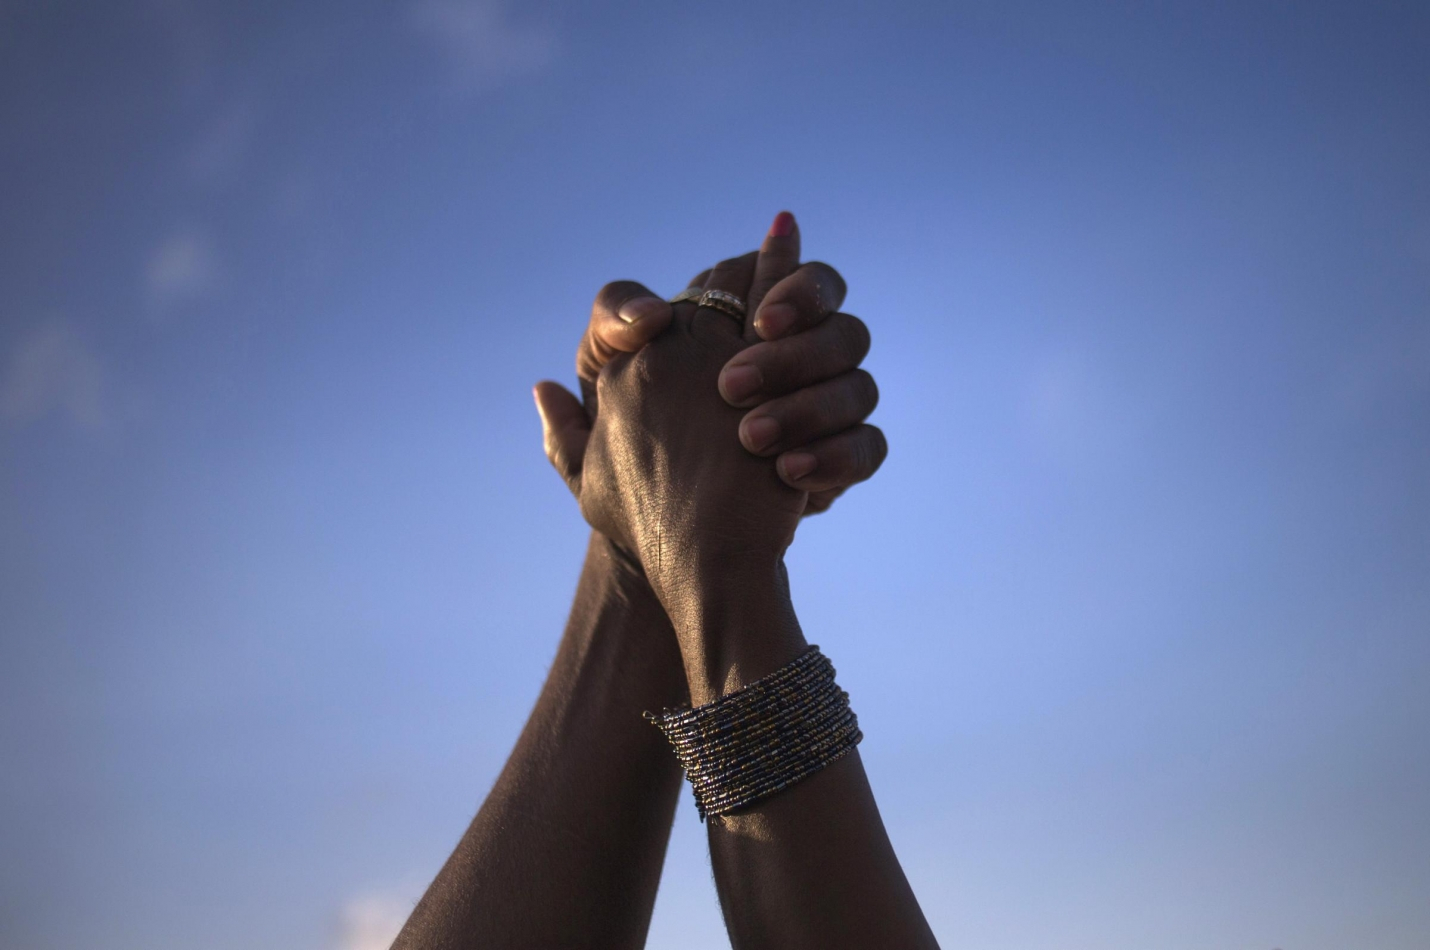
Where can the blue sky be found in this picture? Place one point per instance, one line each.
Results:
(1135, 617)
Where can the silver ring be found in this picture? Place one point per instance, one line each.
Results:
(724, 302)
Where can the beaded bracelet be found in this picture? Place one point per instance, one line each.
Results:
(764, 736)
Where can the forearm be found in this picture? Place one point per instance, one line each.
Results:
(567, 848)
(810, 866)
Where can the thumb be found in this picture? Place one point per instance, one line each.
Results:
(565, 429)
(625, 317)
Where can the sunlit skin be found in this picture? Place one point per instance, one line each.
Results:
(682, 598)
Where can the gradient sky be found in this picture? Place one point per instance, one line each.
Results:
(1136, 617)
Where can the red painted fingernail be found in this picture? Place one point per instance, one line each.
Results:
(783, 226)
(796, 465)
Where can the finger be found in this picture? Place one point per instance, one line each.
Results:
(625, 317)
(696, 283)
(799, 301)
(835, 463)
(811, 413)
(779, 256)
(565, 430)
(733, 277)
(767, 370)
(818, 502)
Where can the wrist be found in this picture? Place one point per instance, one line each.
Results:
(621, 618)
(734, 625)
(619, 570)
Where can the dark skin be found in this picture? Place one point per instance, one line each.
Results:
(666, 479)
(566, 850)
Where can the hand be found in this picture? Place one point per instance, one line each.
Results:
(664, 476)
(801, 374)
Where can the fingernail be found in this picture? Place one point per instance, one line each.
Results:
(633, 311)
(775, 320)
(783, 225)
(796, 465)
(739, 383)
(759, 432)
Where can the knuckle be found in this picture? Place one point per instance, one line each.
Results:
(609, 296)
(859, 454)
(593, 356)
(865, 390)
(617, 292)
(765, 361)
(803, 363)
(853, 336)
(604, 382)
(651, 367)
(587, 365)
(613, 378)
(862, 455)
(880, 446)
(641, 364)
(831, 284)
(831, 408)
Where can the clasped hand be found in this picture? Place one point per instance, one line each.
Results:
(659, 457)
(698, 444)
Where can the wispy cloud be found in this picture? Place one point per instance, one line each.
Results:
(52, 372)
(180, 271)
(220, 147)
(480, 43)
(372, 921)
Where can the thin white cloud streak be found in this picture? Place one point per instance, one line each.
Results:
(52, 371)
(372, 921)
(220, 148)
(181, 270)
(480, 43)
